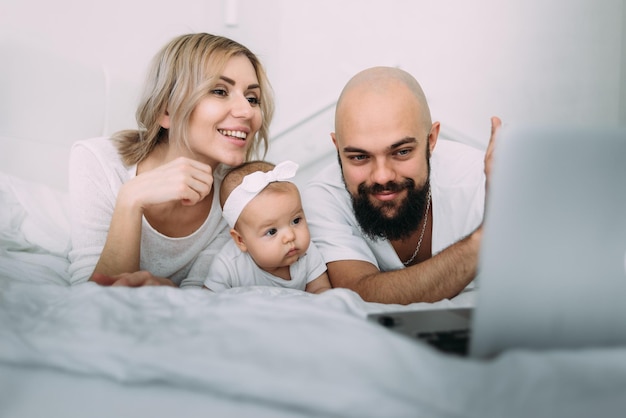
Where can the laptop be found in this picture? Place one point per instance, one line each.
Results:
(552, 267)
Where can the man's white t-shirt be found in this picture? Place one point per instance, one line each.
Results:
(458, 195)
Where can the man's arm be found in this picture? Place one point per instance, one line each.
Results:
(319, 285)
(443, 276)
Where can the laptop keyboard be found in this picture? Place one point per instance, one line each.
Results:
(456, 341)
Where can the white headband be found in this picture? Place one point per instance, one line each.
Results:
(251, 186)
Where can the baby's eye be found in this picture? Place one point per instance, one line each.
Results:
(271, 232)
(297, 220)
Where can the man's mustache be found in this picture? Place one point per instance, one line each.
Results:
(391, 186)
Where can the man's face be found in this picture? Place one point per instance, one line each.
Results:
(395, 218)
(384, 151)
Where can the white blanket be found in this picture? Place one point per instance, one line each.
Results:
(265, 352)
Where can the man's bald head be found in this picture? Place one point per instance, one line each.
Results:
(382, 81)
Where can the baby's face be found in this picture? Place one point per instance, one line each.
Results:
(274, 229)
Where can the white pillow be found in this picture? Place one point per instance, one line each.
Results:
(36, 213)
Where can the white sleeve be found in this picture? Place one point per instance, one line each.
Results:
(92, 200)
(219, 277)
(315, 264)
(204, 262)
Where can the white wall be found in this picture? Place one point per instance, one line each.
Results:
(526, 60)
(557, 61)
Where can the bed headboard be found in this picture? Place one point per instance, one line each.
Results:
(47, 101)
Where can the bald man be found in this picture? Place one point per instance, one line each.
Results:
(398, 218)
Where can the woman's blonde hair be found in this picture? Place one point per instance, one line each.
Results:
(183, 73)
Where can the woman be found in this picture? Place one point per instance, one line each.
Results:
(145, 202)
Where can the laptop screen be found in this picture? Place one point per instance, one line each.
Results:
(552, 263)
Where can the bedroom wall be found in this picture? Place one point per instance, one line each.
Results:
(557, 61)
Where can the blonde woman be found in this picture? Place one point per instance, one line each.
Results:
(146, 202)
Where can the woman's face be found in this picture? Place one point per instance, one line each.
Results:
(223, 124)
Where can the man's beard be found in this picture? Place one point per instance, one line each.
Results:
(409, 212)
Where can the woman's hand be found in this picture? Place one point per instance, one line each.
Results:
(183, 179)
(137, 279)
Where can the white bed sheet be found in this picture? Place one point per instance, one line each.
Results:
(265, 352)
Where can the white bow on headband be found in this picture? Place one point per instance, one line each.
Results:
(251, 186)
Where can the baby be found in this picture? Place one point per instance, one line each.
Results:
(271, 244)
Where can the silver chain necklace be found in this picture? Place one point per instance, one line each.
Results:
(419, 242)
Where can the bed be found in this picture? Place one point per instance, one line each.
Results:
(92, 351)
(87, 350)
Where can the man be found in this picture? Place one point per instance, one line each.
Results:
(397, 220)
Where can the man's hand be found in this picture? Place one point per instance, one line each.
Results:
(137, 279)
(496, 124)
